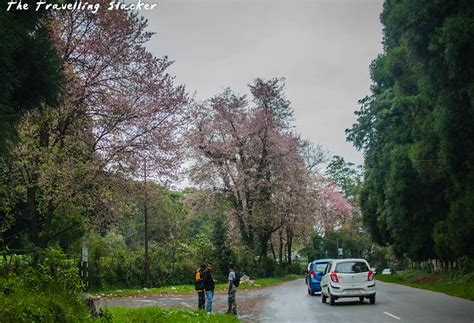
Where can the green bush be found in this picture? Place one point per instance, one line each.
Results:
(465, 265)
(115, 265)
(43, 291)
(112, 264)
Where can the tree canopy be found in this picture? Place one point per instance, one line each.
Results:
(30, 69)
(416, 131)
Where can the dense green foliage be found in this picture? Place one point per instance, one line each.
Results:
(416, 131)
(346, 176)
(30, 71)
(180, 238)
(354, 245)
(41, 288)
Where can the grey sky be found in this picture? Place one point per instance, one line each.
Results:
(322, 48)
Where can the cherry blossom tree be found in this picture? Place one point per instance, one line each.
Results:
(130, 102)
(119, 109)
(245, 149)
(293, 199)
(332, 208)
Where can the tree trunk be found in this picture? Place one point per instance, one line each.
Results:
(31, 208)
(280, 251)
(46, 235)
(245, 227)
(31, 214)
(289, 243)
(273, 250)
(264, 239)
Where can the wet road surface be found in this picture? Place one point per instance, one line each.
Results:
(290, 302)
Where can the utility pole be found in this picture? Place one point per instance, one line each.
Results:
(146, 228)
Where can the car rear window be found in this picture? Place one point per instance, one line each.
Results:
(320, 267)
(351, 267)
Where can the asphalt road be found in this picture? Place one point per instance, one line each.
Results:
(290, 302)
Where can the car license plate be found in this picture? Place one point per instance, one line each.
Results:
(352, 291)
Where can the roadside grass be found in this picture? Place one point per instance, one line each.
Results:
(183, 289)
(460, 285)
(157, 314)
(47, 306)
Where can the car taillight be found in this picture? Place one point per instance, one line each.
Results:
(313, 274)
(371, 275)
(334, 277)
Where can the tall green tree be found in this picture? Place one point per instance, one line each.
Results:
(346, 176)
(30, 70)
(416, 131)
(30, 78)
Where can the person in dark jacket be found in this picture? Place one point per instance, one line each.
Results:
(200, 285)
(209, 285)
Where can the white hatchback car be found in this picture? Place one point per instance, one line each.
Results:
(345, 278)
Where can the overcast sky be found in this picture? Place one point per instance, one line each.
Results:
(322, 48)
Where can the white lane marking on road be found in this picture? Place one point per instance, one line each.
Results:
(391, 315)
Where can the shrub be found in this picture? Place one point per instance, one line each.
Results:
(113, 264)
(47, 291)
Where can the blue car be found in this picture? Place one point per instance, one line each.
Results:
(315, 273)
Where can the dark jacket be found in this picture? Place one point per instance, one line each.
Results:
(208, 281)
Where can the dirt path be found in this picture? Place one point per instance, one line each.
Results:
(249, 302)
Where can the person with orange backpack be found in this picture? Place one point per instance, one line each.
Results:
(199, 286)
